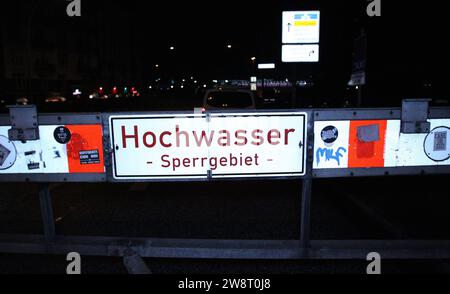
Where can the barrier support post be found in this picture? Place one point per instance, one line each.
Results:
(48, 220)
(305, 217)
(305, 213)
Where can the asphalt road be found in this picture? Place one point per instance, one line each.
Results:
(372, 208)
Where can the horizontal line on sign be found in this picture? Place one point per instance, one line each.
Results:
(255, 174)
(155, 117)
(161, 176)
(149, 162)
(204, 175)
(214, 114)
(305, 23)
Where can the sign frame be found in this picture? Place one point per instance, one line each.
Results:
(290, 51)
(211, 177)
(300, 36)
(287, 39)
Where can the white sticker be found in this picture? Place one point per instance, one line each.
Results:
(331, 144)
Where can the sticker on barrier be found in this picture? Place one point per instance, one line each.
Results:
(60, 149)
(200, 146)
(436, 144)
(378, 144)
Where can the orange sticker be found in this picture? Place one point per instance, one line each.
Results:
(366, 154)
(85, 149)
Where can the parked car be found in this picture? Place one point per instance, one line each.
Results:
(215, 99)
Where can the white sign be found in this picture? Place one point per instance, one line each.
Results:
(300, 53)
(222, 145)
(337, 145)
(301, 27)
(266, 66)
(358, 79)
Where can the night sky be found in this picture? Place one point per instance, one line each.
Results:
(407, 46)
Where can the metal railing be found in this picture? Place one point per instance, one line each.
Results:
(303, 248)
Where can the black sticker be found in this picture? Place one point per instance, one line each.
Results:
(440, 141)
(89, 157)
(329, 134)
(62, 135)
(33, 165)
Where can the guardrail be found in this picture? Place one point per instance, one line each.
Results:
(212, 146)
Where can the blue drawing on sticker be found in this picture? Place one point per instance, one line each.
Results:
(329, 154)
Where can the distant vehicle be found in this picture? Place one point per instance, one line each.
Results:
(215, 99)
(22, 101)
(55, 98)
(274, 98)
(96, 95)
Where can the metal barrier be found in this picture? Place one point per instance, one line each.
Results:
(214, 146)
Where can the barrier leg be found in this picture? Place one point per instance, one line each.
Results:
(306, 212)
(48, 220)
(134, 263)
(305, 217)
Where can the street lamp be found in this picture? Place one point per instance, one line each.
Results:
(229, 46)
(253, 69)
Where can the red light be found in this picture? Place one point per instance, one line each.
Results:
(114, 90)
